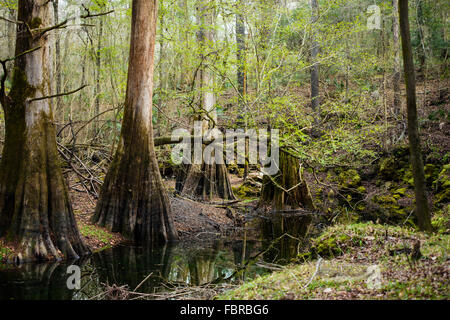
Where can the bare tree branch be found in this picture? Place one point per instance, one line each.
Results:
(63, 24)
(58, 95)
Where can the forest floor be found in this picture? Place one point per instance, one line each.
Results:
(194, 221)
(361, 261)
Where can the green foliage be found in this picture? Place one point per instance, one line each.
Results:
(355, 244)
(96, 233)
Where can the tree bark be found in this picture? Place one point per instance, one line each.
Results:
(58, 60)
(35, 209)
(287, 188)
(11, 35)
(420, 29)
(241, 59)
(396, 76)
(422, 211)
(133, 200)
(98, 65)
(242, 75)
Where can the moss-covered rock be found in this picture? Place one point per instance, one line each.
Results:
(400, 191)
(388, 168)
(246, 191)
(442, 186)
(393, 167)
(431, 173)
(407, 177)
(388, 208)
(349, 179)
(441, 220)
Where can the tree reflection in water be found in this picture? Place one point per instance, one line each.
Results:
(169, 266)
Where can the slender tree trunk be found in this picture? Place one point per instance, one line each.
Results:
(161, 84)
(98, 64)
(420, 29)
(396, 76)
(315, 99)
(133, 200)
(422, 211)
(242, 75)
(241, 57)
(58, 59)
(35, 208)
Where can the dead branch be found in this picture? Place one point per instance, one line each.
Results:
(65, 22)
(58, 95)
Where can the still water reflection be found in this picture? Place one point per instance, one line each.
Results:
(182, 263)
(129, 265)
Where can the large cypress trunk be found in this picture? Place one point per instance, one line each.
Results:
(205, 181)
(35, 210)
(133, 200)
(287, 188)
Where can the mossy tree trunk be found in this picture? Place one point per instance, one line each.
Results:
(35, 209)
(207, 180)
(422, 210)
(286, 189)
(133, 200)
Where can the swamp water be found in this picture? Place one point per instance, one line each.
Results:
(187, 264)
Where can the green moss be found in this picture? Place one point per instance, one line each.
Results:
(333, 243)
(4, 252)
(246, 191)
(20, 89)
(96, 233)
(442, 186)
(344, 277)
(441, 220)
(400, 192)
(387, 168)
(431, 173)
(349, 179)
(361, 189)
(386, 200)
(361, 207)
(35, 23)
(443, 197)
(442, 181)
(240, 172)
